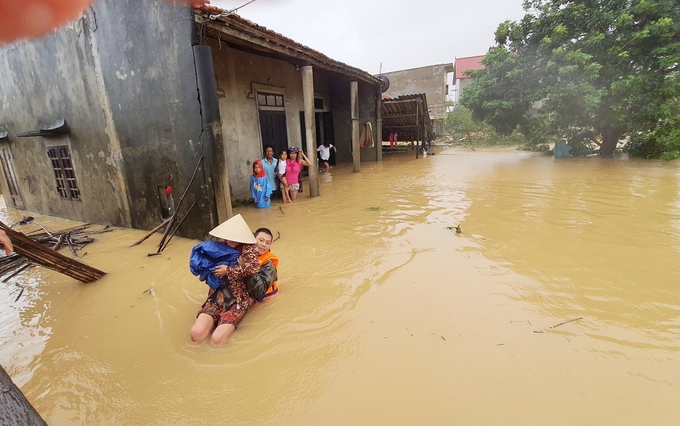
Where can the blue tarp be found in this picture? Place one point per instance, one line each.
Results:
(206, 256)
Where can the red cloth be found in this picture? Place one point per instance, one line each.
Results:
(261, 174)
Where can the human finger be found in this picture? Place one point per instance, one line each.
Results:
(27, 19)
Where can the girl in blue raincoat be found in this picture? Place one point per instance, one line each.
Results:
(259, 186)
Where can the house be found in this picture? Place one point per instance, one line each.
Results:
(460, 73)
(105, 121)
(432, 80)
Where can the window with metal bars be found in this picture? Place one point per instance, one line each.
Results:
(67, 186)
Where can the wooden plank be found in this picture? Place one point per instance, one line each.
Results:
(41, 255)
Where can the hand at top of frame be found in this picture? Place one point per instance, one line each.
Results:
(26, 19)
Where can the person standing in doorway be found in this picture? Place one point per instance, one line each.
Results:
(269, 163)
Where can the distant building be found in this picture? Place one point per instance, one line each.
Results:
(433, 80)
(460, 73)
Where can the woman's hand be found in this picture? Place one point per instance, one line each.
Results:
(220, 271)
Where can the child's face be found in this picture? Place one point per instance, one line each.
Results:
(256, 168)
(284, 155)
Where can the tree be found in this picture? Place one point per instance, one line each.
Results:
(596, 70)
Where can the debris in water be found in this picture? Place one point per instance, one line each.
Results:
(458, 229)
(443, 338)
(41, 248)
(20, 293)
(566, 322)
(375, 209)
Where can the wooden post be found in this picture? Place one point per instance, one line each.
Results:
(310, 128)
(14, 407)
(354, 106)
(378, 127)
(417, 127)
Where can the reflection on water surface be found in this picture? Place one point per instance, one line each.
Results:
(385, 316)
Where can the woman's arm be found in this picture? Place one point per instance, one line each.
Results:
(247, 266)
(305, 161)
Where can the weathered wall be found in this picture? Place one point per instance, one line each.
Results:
(148, 69)
(123, 77)
(342, 119)
(431, 80)
(52, 78)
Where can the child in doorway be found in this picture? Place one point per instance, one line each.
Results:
(281, 174)
(259, 186)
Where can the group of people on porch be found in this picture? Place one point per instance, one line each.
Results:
(281, 177)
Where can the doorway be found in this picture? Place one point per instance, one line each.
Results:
(273, 130)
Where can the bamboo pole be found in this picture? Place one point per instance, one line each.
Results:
(173, 218)
(153, 231)
(41, 255)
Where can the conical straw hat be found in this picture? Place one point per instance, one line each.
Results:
(235, 229)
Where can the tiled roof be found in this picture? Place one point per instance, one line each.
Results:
(249, 31)
(466, 64)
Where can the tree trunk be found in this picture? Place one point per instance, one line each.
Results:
(15, 409)
(610, 137)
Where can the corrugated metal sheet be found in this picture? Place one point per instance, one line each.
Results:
(238, 30)
(404, 115)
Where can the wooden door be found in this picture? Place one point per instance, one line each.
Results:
(274, 131)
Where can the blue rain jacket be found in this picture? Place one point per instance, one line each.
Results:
(259, 189)
(206, 256)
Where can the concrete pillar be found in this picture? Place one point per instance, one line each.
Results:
(310, 128)
(354, 106)
(215, 155)
(378, 127)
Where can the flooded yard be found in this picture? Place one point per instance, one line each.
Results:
(385, 314)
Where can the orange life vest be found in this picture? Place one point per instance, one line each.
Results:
(274, 288)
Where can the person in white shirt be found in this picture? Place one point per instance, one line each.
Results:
(324, 152)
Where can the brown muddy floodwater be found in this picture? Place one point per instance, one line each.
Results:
(385, 316)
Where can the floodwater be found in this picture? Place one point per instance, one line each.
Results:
(385, 315)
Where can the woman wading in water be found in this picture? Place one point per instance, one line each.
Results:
(228, 299)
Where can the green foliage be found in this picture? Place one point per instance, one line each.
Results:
(466, 130)
(593, 71)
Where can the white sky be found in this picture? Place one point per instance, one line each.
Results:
(401, 34)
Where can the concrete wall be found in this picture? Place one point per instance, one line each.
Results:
(123, 77)
(148, 69)
(53, 78)
(342, 119)
(431, 80)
